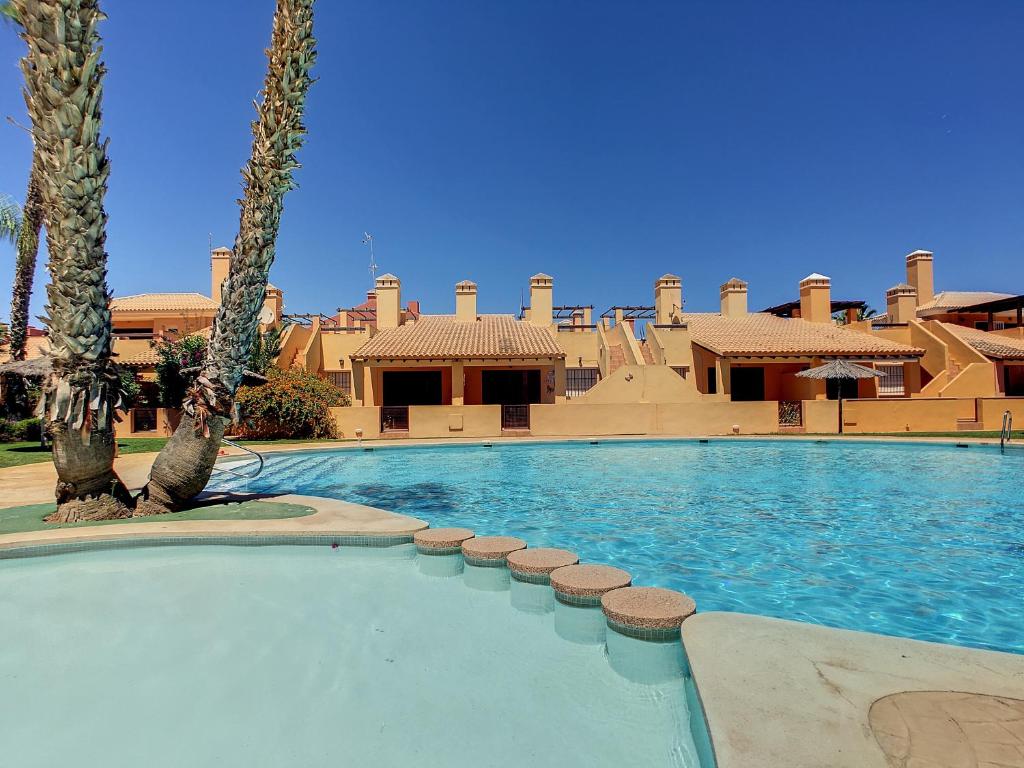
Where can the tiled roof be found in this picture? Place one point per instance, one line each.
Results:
(164, 302)
(764, 335)
(443, 337)
(144, 359)
(951, 300)
(993, 345)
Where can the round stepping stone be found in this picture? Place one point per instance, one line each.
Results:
(649, 613)
(535, 565)
(583, 585)
(490, 550)
(441, 541)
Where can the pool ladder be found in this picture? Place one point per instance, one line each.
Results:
(1006, 432)
(251, 452)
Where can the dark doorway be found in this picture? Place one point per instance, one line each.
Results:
(747, 383)
(841, 388)
(515, 387)
(412, 388)
(1013, 380)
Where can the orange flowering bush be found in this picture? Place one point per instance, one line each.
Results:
(292, 404)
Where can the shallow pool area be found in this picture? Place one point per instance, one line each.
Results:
(917, 540)
(312, 656)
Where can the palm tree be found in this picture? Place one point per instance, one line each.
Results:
(184, 465)
(27, 238)
(63, 76)
(10, 219)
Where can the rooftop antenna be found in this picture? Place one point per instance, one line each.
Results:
(368, 240)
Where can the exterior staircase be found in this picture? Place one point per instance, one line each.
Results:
(645, 350)
(616, 358)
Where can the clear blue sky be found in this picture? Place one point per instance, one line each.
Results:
(603, 143)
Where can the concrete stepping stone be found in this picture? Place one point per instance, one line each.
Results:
(441, 541)
(490, 551)
(535, 565)
(647, 613)
(583, 585)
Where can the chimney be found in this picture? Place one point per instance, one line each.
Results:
(901, 303)
(389, 301)
(734, 298)
(541, 307)
(816, 298)
(273, 306)
(220, 262)
(668, 298)
(465, 301)
(920, 275)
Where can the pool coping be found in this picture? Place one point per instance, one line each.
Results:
(332, 519)
(780, 692)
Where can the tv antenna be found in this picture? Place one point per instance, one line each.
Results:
(368, 240)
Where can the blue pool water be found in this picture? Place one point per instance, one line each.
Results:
(269, 657)
(922, 541)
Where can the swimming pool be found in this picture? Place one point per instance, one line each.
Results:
(916, 540)
(310, 656)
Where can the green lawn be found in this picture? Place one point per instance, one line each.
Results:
(16, 454)
(30, 518)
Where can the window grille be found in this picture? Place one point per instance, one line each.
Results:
(579, 380)
(891, 383)
(340, 379)
(682, 370)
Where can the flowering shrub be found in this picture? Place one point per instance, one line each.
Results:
(292, 404)
(188, 352)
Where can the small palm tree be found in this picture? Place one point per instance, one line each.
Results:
(63, 85)
(10, 219)
(184, 466)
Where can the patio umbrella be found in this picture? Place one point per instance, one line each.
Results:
(838, 370)
(36, 368)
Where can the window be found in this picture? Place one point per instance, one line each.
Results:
(891, 383)
(712, 381)
(682, 370)
(579, 380)
(982, 325)
(340, 379)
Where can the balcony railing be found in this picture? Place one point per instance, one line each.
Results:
(515, 417)
(791, 413)
(394, 418)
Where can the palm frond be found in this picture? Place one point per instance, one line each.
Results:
(10, 219)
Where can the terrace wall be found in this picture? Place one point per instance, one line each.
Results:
(902, 415)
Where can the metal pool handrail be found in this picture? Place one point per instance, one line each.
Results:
(1007, 430)
(250, 451)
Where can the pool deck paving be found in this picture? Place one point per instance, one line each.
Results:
(775, 692)
(786, 693)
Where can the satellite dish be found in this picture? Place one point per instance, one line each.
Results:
(267, 316)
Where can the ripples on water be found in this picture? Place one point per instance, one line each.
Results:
(920, 541)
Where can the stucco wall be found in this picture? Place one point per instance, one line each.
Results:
(991, 410)
(705, 418)
(454, 421)
(580, 344)
(901, 415)
(821, 417)
(642, 384)
(357, 417)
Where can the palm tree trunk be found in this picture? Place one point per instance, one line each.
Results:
(25, 265)
(184, 466)
(63, 75)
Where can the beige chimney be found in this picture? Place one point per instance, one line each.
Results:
(816, 298)
(668, 298)
(220, 263)
(920, 274)
(389, 301)
(733, 294)
(901, 303)
(273, 306)
(541, 301)
(465, 301)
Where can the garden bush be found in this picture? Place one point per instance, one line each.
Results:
(26, 430)
(292, 404)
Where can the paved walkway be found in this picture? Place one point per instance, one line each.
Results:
(785, 693)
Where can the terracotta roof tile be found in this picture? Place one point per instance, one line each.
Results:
(164, 302)
(761, 334)
(144, 359)
(989, 344)
(957, 299)
(443, 337)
